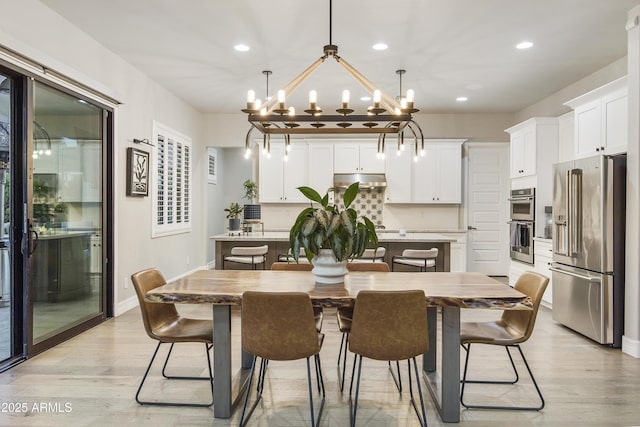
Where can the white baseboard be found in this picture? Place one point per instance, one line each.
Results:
(126, 305)
(631, 347)
(211, 265)
(132, 302)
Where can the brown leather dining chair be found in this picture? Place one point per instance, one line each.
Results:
(303, 266)
(279, 326)
(391, 326)
(163, 323)
(511, 330)
(345, 316)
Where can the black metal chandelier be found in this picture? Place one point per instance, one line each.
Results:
(385, 116)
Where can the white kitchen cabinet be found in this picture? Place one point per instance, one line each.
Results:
(601, 118)
(320, 166)
(279, 179)
(543, 256)
(437, 177)
(398, 172)
(70, 173)
(566, 131)
(458, 261)
(92, 171)
(533, 141)
(357, 157)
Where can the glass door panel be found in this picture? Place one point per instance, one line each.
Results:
(6, 288)
(66, 277)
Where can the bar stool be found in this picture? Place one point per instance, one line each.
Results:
(371, 255)
(252, 255)
(421, 258)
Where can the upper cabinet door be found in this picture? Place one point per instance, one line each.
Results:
(295, 173)
(346, 157)
(588, 129)
(320, 166)
(449, 174)
(369, 160)
(271, 175)
(398, 172)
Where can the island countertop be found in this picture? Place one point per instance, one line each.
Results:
(283, 236)
(393, 242)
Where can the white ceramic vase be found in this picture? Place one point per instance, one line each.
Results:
(327, 268)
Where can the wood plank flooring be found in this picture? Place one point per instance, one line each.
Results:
(91, 380)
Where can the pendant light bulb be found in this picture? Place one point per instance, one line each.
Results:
(47, 152)
(410, 95)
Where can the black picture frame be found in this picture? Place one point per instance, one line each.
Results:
(137, 172)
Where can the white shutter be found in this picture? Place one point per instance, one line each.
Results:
(172, 182)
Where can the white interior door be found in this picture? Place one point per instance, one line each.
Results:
(488, 208)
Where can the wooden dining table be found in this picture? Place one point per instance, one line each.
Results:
(448, 291)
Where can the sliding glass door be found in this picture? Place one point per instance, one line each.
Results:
(67, 211)
(6, 290)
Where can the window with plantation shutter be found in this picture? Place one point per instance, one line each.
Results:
(171, 188)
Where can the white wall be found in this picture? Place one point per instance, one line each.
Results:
(37, 32)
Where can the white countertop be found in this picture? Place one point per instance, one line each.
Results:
(382, 237)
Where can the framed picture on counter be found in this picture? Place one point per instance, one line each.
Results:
(137, 172)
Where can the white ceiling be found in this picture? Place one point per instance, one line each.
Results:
(449, 48)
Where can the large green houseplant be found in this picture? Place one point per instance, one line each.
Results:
(327, 227)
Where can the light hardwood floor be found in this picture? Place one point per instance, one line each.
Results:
(96, 375)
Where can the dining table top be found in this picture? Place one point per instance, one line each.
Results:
(447, 289)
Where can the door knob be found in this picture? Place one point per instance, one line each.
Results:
(469, 227)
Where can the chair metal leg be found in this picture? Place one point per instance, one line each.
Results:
(157, 403)
(397, 379)
(512, 408)
(341, 375)
(353, 404)
(176, 377)
(315, 422)
(423, 418)
(513, 366)
(243, 421)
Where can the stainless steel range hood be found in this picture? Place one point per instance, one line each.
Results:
(367, 180)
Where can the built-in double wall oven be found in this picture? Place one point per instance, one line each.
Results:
(522, 205)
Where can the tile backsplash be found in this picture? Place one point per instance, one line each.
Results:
(369, 202)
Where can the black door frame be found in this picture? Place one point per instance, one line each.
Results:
(21, 167)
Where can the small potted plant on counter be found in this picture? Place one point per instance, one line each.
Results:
(233, 215)
(251, 210)
(329, 236)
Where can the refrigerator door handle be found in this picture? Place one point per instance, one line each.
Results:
(575, 223)
(571, 273)
(569, 221)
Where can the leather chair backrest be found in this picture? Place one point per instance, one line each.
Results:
(278, 325)
(533, 285)
(154, 315)
(368, 266)
(292, 266)
(389, 325)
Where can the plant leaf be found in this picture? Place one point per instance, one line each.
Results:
(351, 193)
(325, 200)
(348, 222)
(372, 235)
(311, 194)
(309, 226)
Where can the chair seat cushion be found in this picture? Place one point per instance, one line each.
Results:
(489, 333)
(415, 262)
(245, 259)
(186, 330)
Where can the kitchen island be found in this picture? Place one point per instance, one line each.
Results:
(61, 266)
(394, 243)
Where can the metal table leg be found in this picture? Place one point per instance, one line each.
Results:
(446, 396)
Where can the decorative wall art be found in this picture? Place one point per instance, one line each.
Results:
(137, 172)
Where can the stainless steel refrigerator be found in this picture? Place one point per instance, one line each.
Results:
(588, 246)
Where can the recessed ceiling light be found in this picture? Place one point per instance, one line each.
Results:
(461, 98)
(524, 45)
(365, 98)
(241, 47)
(380, 46)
